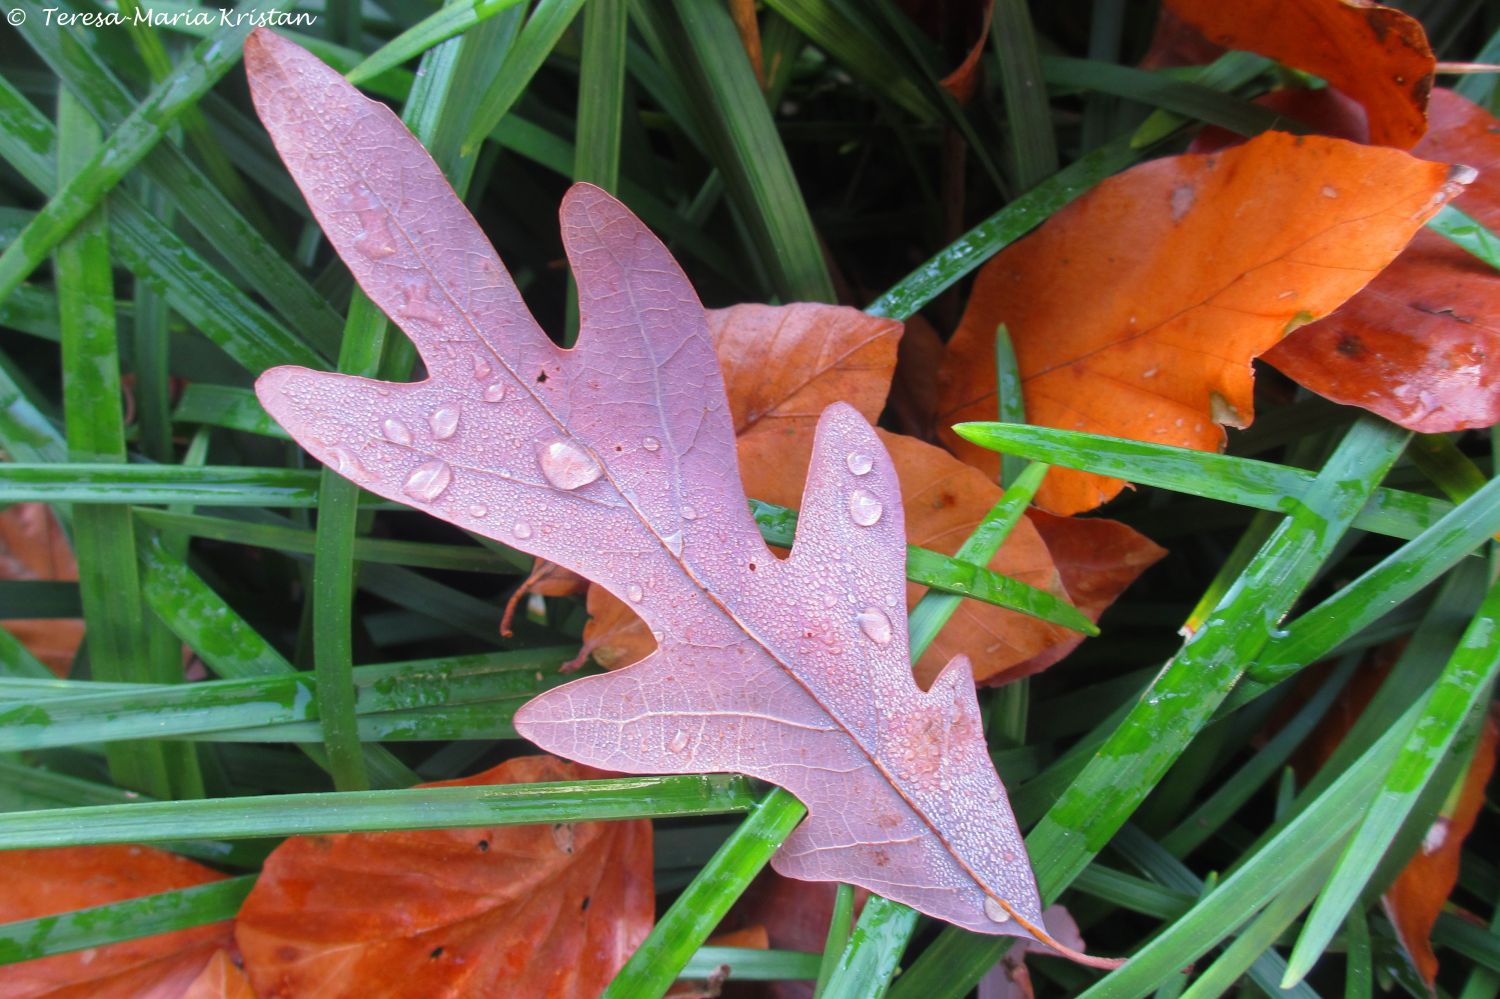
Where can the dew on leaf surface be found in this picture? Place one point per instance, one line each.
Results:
(568, 466)
(865, 508)
(428, 480)
(396, 431)
(444, 422)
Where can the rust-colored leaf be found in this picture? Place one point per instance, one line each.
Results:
(1421, 345)
(221, 979)
(33, 546)
(37, 883)
(616, 460)
(1422, 889)
(962, 29)
(1136, 310)
(545, 911)
(1376, 54)
(943, 500)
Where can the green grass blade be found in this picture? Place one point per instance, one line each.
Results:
(1010, 401)
(227, 407)
(840, 926)
(973, 248)
(1463, 688)
(451, 20)
(702, 49)
(1028, 114)
(117, 485)
(379, 811)
(874, 951)
(1245, 481)
(601, 86)
(1190, 100)
(1467, 232)
(548, 21)
(749, 965)
(100, 925)
(660, 958)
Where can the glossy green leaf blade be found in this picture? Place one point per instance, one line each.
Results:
(874, 951)
(101, 925)
(750, 965)
(209, 485)
(1463, 688)
(378, 811)
(1467, 232)
(1191, 100)
(681, 931)
(1245, 481)
(452, 19)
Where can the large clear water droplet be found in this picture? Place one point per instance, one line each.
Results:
(444, 422)
(635, 593)
(396, 431)
(865, 508)
(478, 510)
(348, 465)
(688, 513)
(651, 444)
(995, 910)
(428, 480)
(522, 530)
(679, 742)
(494, 392)
(859, 464)
(568, 466)
(875, 625)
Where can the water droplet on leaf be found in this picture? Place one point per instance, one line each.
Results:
(444, 422)
(875, 625)
(521, 530)
(396, 431)
(864, 508)
(995, 911)
(679, 742)
(651, 444)
(688, 513)
(859, 464)
(478, 510)
(568, 466)
(428, 480)
(494, 392)
(634, 592)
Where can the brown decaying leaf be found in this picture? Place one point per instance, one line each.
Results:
(1136, 310)
(1376, 54)
(221, 979)
(1421, 344)
(1010, 979)
(33, 546)
(616, 459)
(545, 911)
(1422, 889)
(37, 883)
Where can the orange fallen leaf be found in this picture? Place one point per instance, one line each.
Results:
(1136, 310)
(962, 29)
(1422, 889)
(545, 911)
(1376, 54)
(221, 979)
(36, 883)
(944, 500)
(33, 546)
(1421, 345)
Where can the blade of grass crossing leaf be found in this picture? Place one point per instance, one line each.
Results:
(1028, 114)
(103, 538)
(840, 925)
(1245, 481)
(1009, 401)
(989, 237)
(380, 811)
(703, 49)
(1467, 232)
(662, 955)
(1183, 697)
(1463, 688)
(100, 925)
(874, 951)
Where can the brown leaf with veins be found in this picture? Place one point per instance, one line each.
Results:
(616, 459)
(1421, 345)
(36, 883)
(1136, 310)
(1376, 54)
(546, 911)
(221, 979)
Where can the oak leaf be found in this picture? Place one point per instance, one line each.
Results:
(1421, 344)
(36, 883)
(1376, 54)
(616, 459)
(1136, 310)
(544, 911)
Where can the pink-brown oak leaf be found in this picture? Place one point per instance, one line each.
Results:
(616, 460)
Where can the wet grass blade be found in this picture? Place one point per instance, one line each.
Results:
(1028, 114)
(378, 811)
(163, 912)
(1244, 481)
(451, 20)
(1467, 232)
